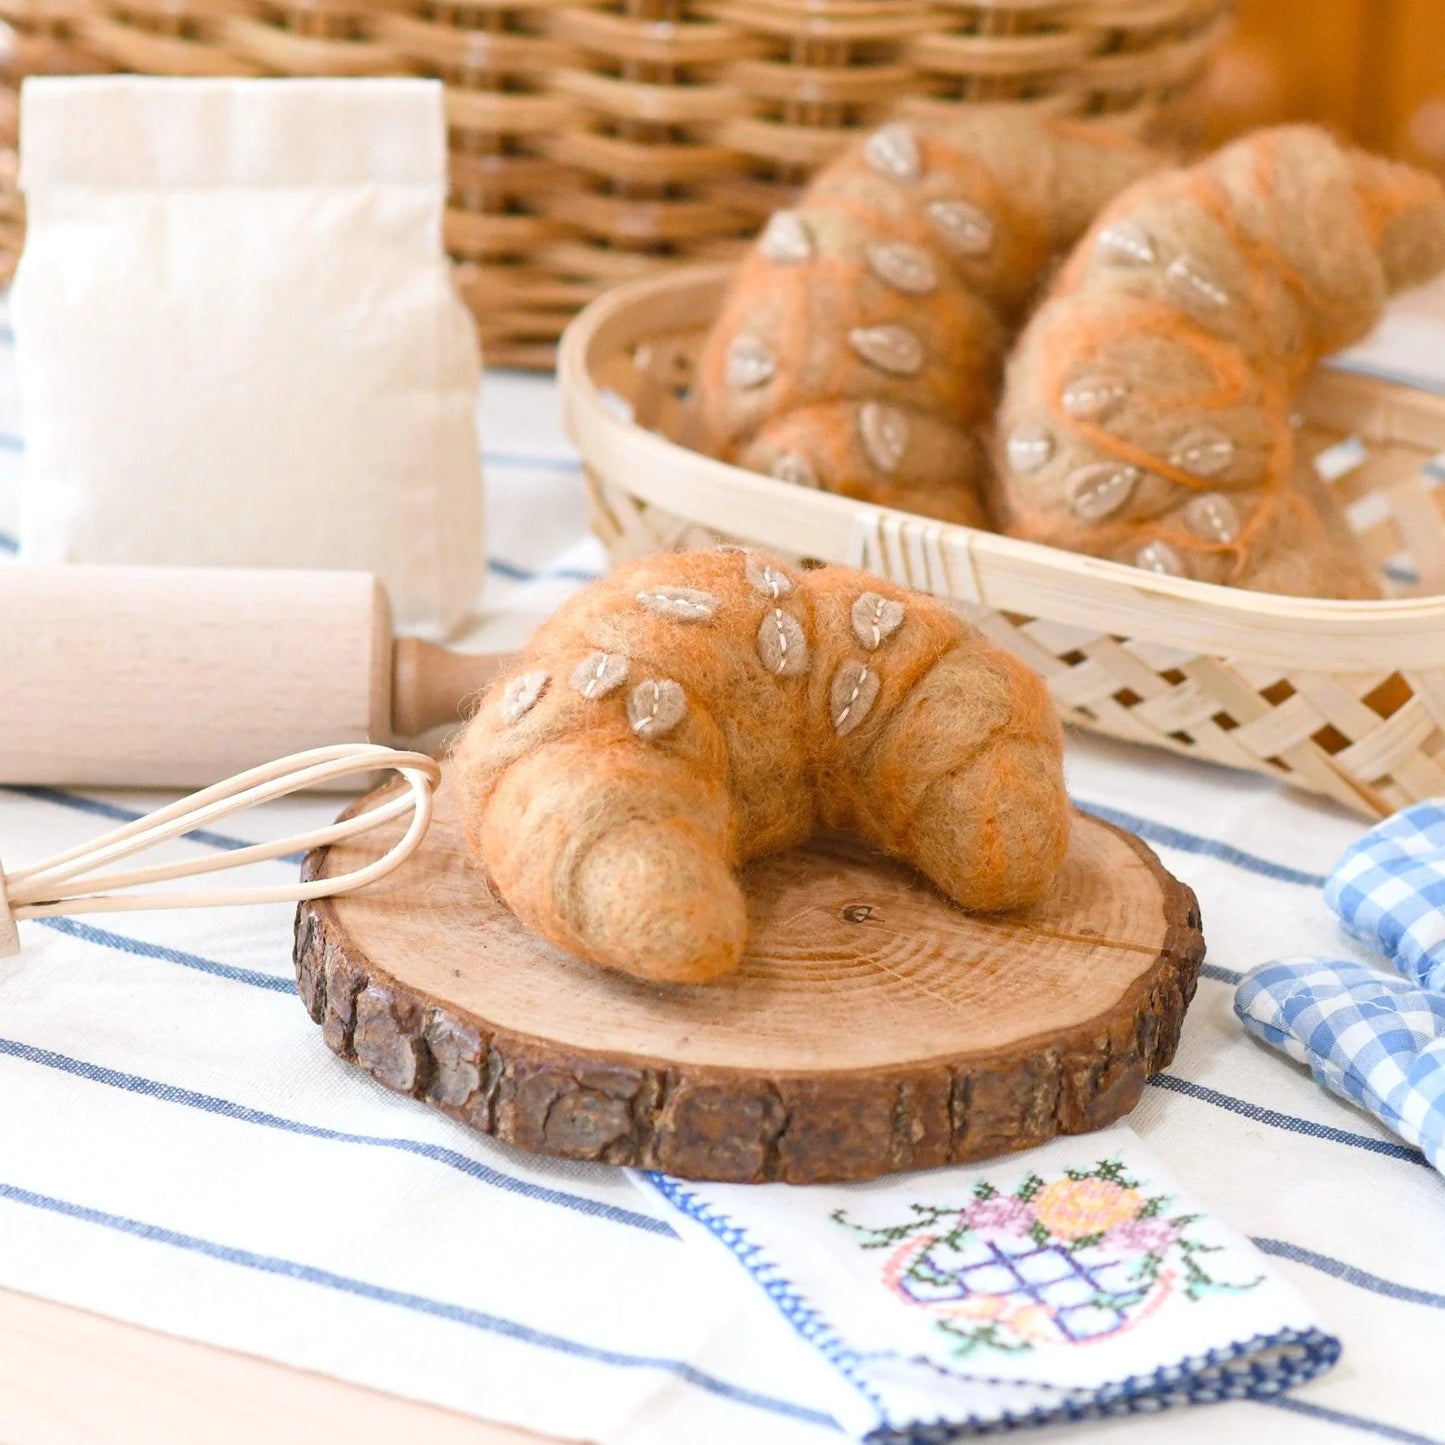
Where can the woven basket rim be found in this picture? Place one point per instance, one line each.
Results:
(1010, 574)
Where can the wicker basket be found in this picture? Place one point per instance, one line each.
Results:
(1341, 698)
(595, 142)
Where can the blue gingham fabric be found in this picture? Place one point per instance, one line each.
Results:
(1367, 1037)
(1389, 891)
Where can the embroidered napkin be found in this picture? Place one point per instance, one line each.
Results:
(1073, 1281)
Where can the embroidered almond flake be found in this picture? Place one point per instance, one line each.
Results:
(1029, 448)
(1205, 453)
(893, 151)
(1126, 243)
(1092, 397)
(655, 708)
(786, 239)
(851, 698)
(790, 467)
(884, 430)
(599, 674)
(782, 645)
(749, 363)
(894, 349)
(1193, 284)
(769, 580)
(681, 604)
(1159, 557)
(520, 695)
(964, 227)
(1097, 491)
(876, 619)
(905, 268)
(1213, 517)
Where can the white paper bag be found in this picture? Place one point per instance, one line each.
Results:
(238, 340)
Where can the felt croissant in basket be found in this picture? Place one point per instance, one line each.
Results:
(697, 710)
(1147, 415)
(861, 344)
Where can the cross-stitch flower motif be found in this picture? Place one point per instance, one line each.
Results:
(1002, 1213)
(1073, 1208)
(1061, 1261)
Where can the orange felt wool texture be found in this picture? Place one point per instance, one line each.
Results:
(697, 710)
(1147, 408)
(861, 344)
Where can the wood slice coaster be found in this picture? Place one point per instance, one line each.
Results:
(872, 1027)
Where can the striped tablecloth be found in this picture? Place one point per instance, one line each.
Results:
(178, 1149)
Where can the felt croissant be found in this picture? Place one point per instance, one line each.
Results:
(860, 346)
(697, 710)
(1146, 415)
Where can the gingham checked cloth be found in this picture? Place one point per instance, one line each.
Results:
(1376, 1040)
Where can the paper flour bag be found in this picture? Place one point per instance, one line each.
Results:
(237, 335)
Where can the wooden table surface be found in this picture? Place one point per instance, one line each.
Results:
(68, 1377)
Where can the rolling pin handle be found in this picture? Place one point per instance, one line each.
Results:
(432, 686)
(9, 934)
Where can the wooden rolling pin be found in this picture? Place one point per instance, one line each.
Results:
(175, 677)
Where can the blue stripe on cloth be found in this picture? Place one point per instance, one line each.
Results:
(1220, 975)
(141, 948)
(531, 462)
(419, 1304)
(1276, 1120)
(514, 573)
(1350, 1274)
(242, 1113)
(1352, 1422)
(1168, 836)
(117, 813)
(9, 442)
(8, 543)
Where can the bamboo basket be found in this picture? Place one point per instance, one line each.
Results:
(1346, 699)
(594, 142)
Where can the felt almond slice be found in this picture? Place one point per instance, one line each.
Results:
(852, 695)
(681, 604)
(1029, 448)
(749, 363)
(782, 645)
(1204, 453)
(790, 467)
(1159, 557)
(884, 430)
(1213, 517)
(1194, 285)
(893, 151)
(966, 229)
(905, 268)
(768, 580)
(1100, 489)
(786, 239)
(894, 349)
(520, 695)
(1126, 243)
(1092, 397)
(875, 619)
(655, 708)
(599, 674)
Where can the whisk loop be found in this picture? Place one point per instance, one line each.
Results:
(68, 883)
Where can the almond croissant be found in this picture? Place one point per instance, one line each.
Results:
(694, 711)
(1147, 412)
(860, 346)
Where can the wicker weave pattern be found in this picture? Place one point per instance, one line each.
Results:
(1346, 699)
(595, 142)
